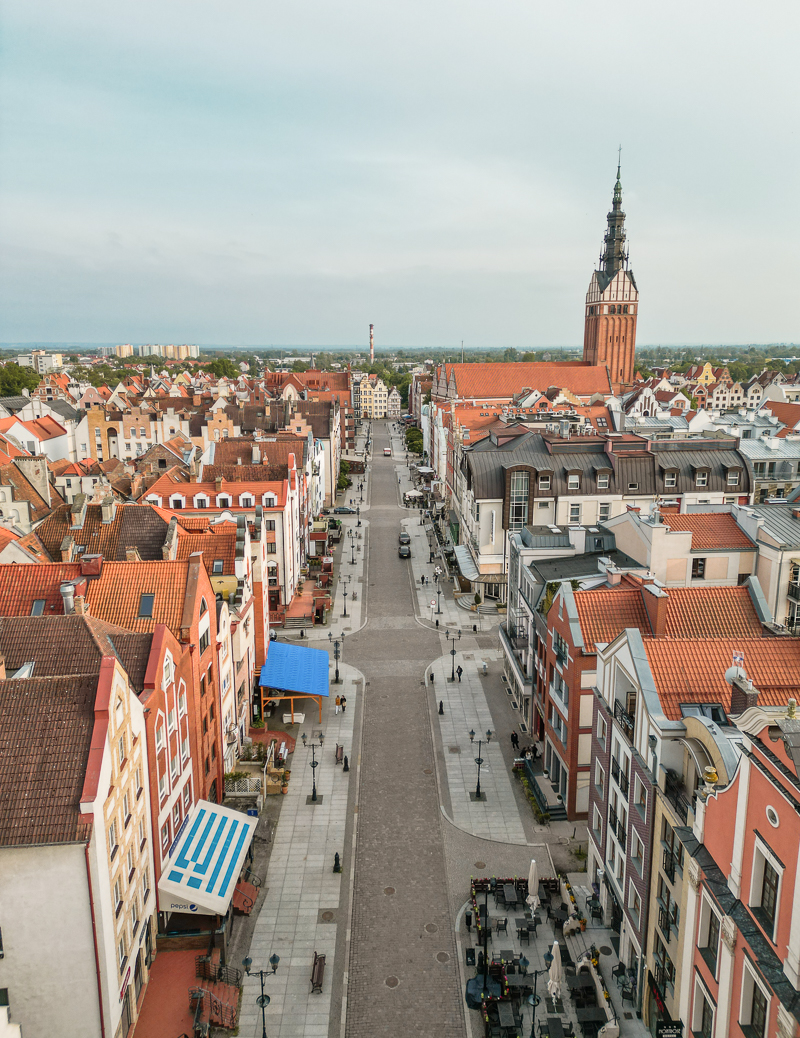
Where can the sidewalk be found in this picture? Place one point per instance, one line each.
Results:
(304, 904)
(496, 817)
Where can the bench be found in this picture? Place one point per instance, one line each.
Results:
(317, 973)
(339, 753)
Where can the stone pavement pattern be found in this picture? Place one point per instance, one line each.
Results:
(403, 976)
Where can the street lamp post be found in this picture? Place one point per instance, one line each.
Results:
(263, 999)
(451, 637)
(314, 765)
(361, 490)
(352, 536)
(533, 1000)
(438, 594)
(344, 594)
(338, 652)
(479, 759)
(358, 513)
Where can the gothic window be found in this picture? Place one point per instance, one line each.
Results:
(624, 309)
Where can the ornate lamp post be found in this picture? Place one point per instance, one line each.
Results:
(344, 593)
(438, 594)
(358, 510)
(338, 652)
(533, 1000)
(479, 760)
(263, 1000)
(452, 637)
(314, 765)
(351, 534)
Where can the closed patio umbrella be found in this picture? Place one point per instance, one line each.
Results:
(533, 886)
(556, 972)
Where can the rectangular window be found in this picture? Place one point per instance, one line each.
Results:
(603, 480)
(146, 605)
(117, 897)
(701, 479)
(602, 729)
(604, 512)
(129, 863)
(769, 895)
(38, 607)
(544, 483)
(142, 835)
(112, 839)
(165, 836)
(162, 787)
(187, 796)
(272, 548)
(573, 482)
(121, 750)
(171, 721)
(600, 780)
(173, 767)
(698, 569)
(518, 502)
(182, 704)
(575, 513)
(632, 488)
(126, 809)
(670, 479)
(138, 783)
(160, 737)
(711, 947)
(733, 478)
(203, 642)
(176, 817)
(217, 566)
(123, 958)
(185, 750)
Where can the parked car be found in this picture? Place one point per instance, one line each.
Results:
(405, 539)
(404, 551)
(344, 510)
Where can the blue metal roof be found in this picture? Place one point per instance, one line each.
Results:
(296, 668)
(205, 860)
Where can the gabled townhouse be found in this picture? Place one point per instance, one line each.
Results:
(75, 827)
(26, 493)
(572, 625)
(740, 958)
(650, 694)
(775, 528)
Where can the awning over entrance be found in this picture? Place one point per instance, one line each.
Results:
(205, 860)
(295, 672)
(466, 563)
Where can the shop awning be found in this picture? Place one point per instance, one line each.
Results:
(295, 672)
(469, 571)
(205, 860)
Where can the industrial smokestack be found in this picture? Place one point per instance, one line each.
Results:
(372, 344)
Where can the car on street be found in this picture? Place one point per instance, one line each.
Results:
(344, 510)
(404, 551)
(405, 539)
(387, 452)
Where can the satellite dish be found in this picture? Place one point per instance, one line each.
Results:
(732, 673)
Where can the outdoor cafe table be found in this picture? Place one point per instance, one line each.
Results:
(522, 923)
(505, 1014)
(519, 981)
(555, 1028)
(581, 980)
(510, 894)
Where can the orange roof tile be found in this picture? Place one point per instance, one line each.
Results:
(214, 544)
(692, 670)
(114, 596)
(712, 531)
(21, 586)
(498, 379)
(713, 612)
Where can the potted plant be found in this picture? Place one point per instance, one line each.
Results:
(582, 921)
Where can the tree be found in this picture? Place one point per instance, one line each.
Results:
(222, 367)
(13, 379)
(300, 365)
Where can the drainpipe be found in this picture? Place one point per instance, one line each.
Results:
(94, 938)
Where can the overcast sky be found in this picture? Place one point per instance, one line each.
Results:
(252, 172)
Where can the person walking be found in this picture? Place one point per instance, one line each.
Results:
(459, 671)
(336, 704)
(515, 740)
(343, 703)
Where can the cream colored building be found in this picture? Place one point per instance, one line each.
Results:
(373, 397)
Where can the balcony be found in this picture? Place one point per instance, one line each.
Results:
(523, 680)
(624, 719)
(677, 795)
(622, 836)
(793, 592)
(668, 865)
(613, 821)
(619, 777)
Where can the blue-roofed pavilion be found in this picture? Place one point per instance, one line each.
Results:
(295, 672)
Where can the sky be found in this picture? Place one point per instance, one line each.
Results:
(256, 173)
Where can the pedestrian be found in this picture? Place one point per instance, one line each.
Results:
(515, 740)
(459, 671)
(336, 704)
(343, 703)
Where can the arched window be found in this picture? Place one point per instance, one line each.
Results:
(203, 607)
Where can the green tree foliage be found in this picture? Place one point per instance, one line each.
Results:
(13, 379)
(414, 440)
(222, 367)
(300, 365)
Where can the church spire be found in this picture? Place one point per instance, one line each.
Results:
(614, 257)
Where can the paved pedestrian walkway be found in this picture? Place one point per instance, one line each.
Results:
(305, 900)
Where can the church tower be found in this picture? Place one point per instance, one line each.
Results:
(612, 303)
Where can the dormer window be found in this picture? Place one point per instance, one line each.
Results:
(671, 479)
(246, 500)
(223, 501)
(701, 479)
(573, 481)
(733, 477)
(176, 502)
(201, 501)
(603, 480)
(544, 482)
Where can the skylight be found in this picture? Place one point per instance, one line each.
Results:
(146, 605)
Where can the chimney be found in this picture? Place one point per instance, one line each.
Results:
(613, 575)
(80, 605)
(169, 549)
(743, 695)
(656, 601)
(256, 455)
(68, 595)
(77, 511)
(2, 668)
(132, 554)
(563, 426)
(36, 472)
(109, 507)
(67, 548)
(218, 484)
(91, 565)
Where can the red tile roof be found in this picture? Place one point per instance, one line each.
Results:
(692, 670)
(21, 586)
(714, 612)
(115, 595)
(215, 544)
(712, 531)
(496, 380)
(788, 414)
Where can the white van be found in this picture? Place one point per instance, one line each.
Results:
(387, 452)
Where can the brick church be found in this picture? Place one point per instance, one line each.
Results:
(612, 303)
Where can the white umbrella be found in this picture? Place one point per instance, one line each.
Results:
(556, 972)
(533, 886)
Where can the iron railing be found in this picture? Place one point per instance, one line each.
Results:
(668, 865)
(624, 719)
(205, 969)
